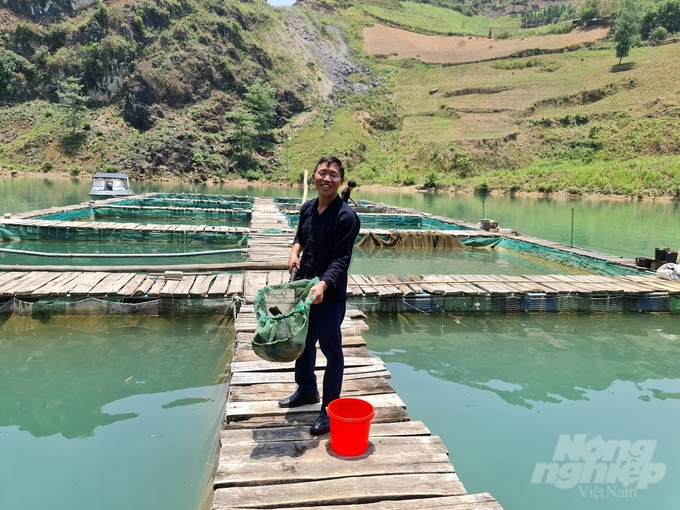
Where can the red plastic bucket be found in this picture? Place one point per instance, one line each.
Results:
(350, 424)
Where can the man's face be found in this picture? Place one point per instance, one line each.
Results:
(327, 180)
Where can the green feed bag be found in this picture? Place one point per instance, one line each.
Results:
(282, 320)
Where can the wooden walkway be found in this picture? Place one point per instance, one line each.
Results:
(124, 285)
(267, 457)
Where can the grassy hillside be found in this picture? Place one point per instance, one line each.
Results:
(508, 124)
(172, 90)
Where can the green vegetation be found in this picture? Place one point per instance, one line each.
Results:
(429, 19)
(210, 90)
(627, 31)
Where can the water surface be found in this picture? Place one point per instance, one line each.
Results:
(501, 390)
(109, 412)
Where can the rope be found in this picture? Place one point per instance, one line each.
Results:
(121, 255)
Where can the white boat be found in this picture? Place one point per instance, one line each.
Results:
(110, 185)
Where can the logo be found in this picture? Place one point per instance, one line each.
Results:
(601, 468)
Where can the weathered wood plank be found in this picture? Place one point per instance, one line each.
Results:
(266, 366)
(219, 285)
(239, 410)
(301, 433)
(303, 461)
(482, 501)
(201, 285)
(350, 490)
(236, 285)
(277, 391)
(246, 378)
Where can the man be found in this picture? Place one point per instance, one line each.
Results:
(345, 194)
(325, 236)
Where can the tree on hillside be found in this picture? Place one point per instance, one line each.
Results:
(244, 129)
(590, 10)
(627, 31)
(9, 62)
(260, 100)
(72, 102)
(666, 15)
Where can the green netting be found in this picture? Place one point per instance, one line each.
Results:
(197, 201)
(92, 307)
(393, 222)
(144, 214)
(283, 318)
(566, 258)
(112, 234)
(533, 302)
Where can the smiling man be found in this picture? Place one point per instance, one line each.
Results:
(325, 237)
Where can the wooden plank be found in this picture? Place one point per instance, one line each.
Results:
(345, 491)
(9, 288)
(382, 415)
(236, 285)
(131, 286)
(274, 278)
(145, 286)
(481, 501)
(303, 461)
(266, 366)
(219, 285)
(54, 287)
(277, 391)
(201, 285)
(277, 434)
(43, 278)
(106, 285)
(156, 287)
(237, 410)
(9, 276)
(185, 284)
(87, 281)
(247, 378)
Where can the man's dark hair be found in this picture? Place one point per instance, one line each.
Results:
(352, 183)
(332, 160)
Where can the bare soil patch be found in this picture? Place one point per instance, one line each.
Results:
(398, 44)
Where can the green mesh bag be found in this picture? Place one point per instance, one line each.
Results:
(282, 320)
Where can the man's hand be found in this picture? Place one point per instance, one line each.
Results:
(294, 259)
(318, 291)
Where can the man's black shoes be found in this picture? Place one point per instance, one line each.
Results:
(298, 399)
(322, 425)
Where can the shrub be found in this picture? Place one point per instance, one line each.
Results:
(252, 175)
(75, 171)
(482, 187)
(87, 126)
(658, 35)
(431, 180)
(46, 166)
(408, 180)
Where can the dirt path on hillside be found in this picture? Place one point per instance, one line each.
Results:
(397, 44)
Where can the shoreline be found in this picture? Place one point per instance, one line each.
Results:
(60, 175)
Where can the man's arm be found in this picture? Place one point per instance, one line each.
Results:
(346, 232)
(354, 201)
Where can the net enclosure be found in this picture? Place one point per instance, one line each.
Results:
(282, 320)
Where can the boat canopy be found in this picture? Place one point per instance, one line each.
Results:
(105, 175)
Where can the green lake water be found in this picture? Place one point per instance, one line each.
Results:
(78, 251)
(110, 413)
(500, 390)
(623, 227)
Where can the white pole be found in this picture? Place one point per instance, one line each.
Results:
(304, 191)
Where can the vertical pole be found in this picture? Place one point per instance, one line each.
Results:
(285, 141)
(572, 227)
(483, 215)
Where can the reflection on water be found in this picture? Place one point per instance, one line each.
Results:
(500, 391)
(405, 261)
(109, 412)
